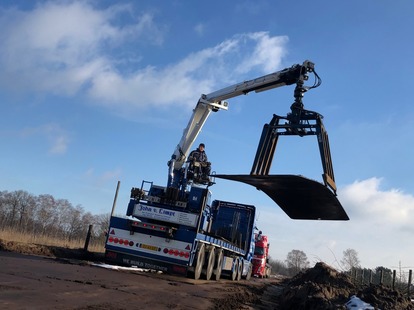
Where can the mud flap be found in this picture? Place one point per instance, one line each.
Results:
(299, 197)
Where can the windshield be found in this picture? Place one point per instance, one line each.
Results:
(258, 250)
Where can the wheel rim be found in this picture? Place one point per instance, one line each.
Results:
(210, 262)
(239, 270)
(199, 263)
(249, 273)
(219, 262)
(235, 269)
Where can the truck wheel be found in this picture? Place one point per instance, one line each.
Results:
(211, 258)
(268, 271)
(235, 269)
(249, 272)
(199, 262)
(239, 270)
(218, 264)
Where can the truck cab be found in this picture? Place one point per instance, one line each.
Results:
(261, 266)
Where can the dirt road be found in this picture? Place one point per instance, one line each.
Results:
(36, 282)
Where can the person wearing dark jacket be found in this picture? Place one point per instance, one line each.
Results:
(199, 155)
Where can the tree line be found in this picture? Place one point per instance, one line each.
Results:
(297, 261)
(45, 215)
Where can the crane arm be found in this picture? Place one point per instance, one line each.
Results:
(288, 76)
(215, 101)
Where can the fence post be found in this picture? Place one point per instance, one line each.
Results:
(115, 198)
(381, 277)
(362, 276)
(88, 238)
(410, 277)
(394, 273)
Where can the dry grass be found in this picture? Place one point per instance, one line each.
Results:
(16, 236)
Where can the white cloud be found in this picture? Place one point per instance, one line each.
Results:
(200, 72)
(98, 179)
(70, 48)
(199, 29)
(60, 45)
(57, 137)
(60, 145)
(267, 54)
(364, 200)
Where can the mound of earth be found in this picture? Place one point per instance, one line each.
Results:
(48, 250)
(385, 298)
(324, 288)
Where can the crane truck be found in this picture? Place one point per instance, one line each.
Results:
(178, 228)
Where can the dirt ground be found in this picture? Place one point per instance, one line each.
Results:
(40, 277)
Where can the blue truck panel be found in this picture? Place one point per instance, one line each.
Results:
(233, 222)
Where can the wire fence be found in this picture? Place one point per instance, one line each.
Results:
(400, 281)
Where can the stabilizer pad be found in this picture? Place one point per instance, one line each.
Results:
(299, 197)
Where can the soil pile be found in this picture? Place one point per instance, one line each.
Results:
(324, 288)
(48, 250)
(385, 299)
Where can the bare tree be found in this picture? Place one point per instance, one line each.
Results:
(350, 259)
(102, 223)
(27, 209)
(75, 223)
(279, 267)
(296, 261)
(3, 208)
(47, 214)
(11, 204)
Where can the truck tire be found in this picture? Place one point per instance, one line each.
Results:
(268, 271)
(199, 262)
(249, 272)
(239, 270)
(218, 264)
(211, 258)
(235, 269)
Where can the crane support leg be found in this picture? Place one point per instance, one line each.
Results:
(325, 151)
(266, 148)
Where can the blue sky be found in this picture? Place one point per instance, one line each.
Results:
(92, 92)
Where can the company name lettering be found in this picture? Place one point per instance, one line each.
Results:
(144, 265)
(156, 210)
